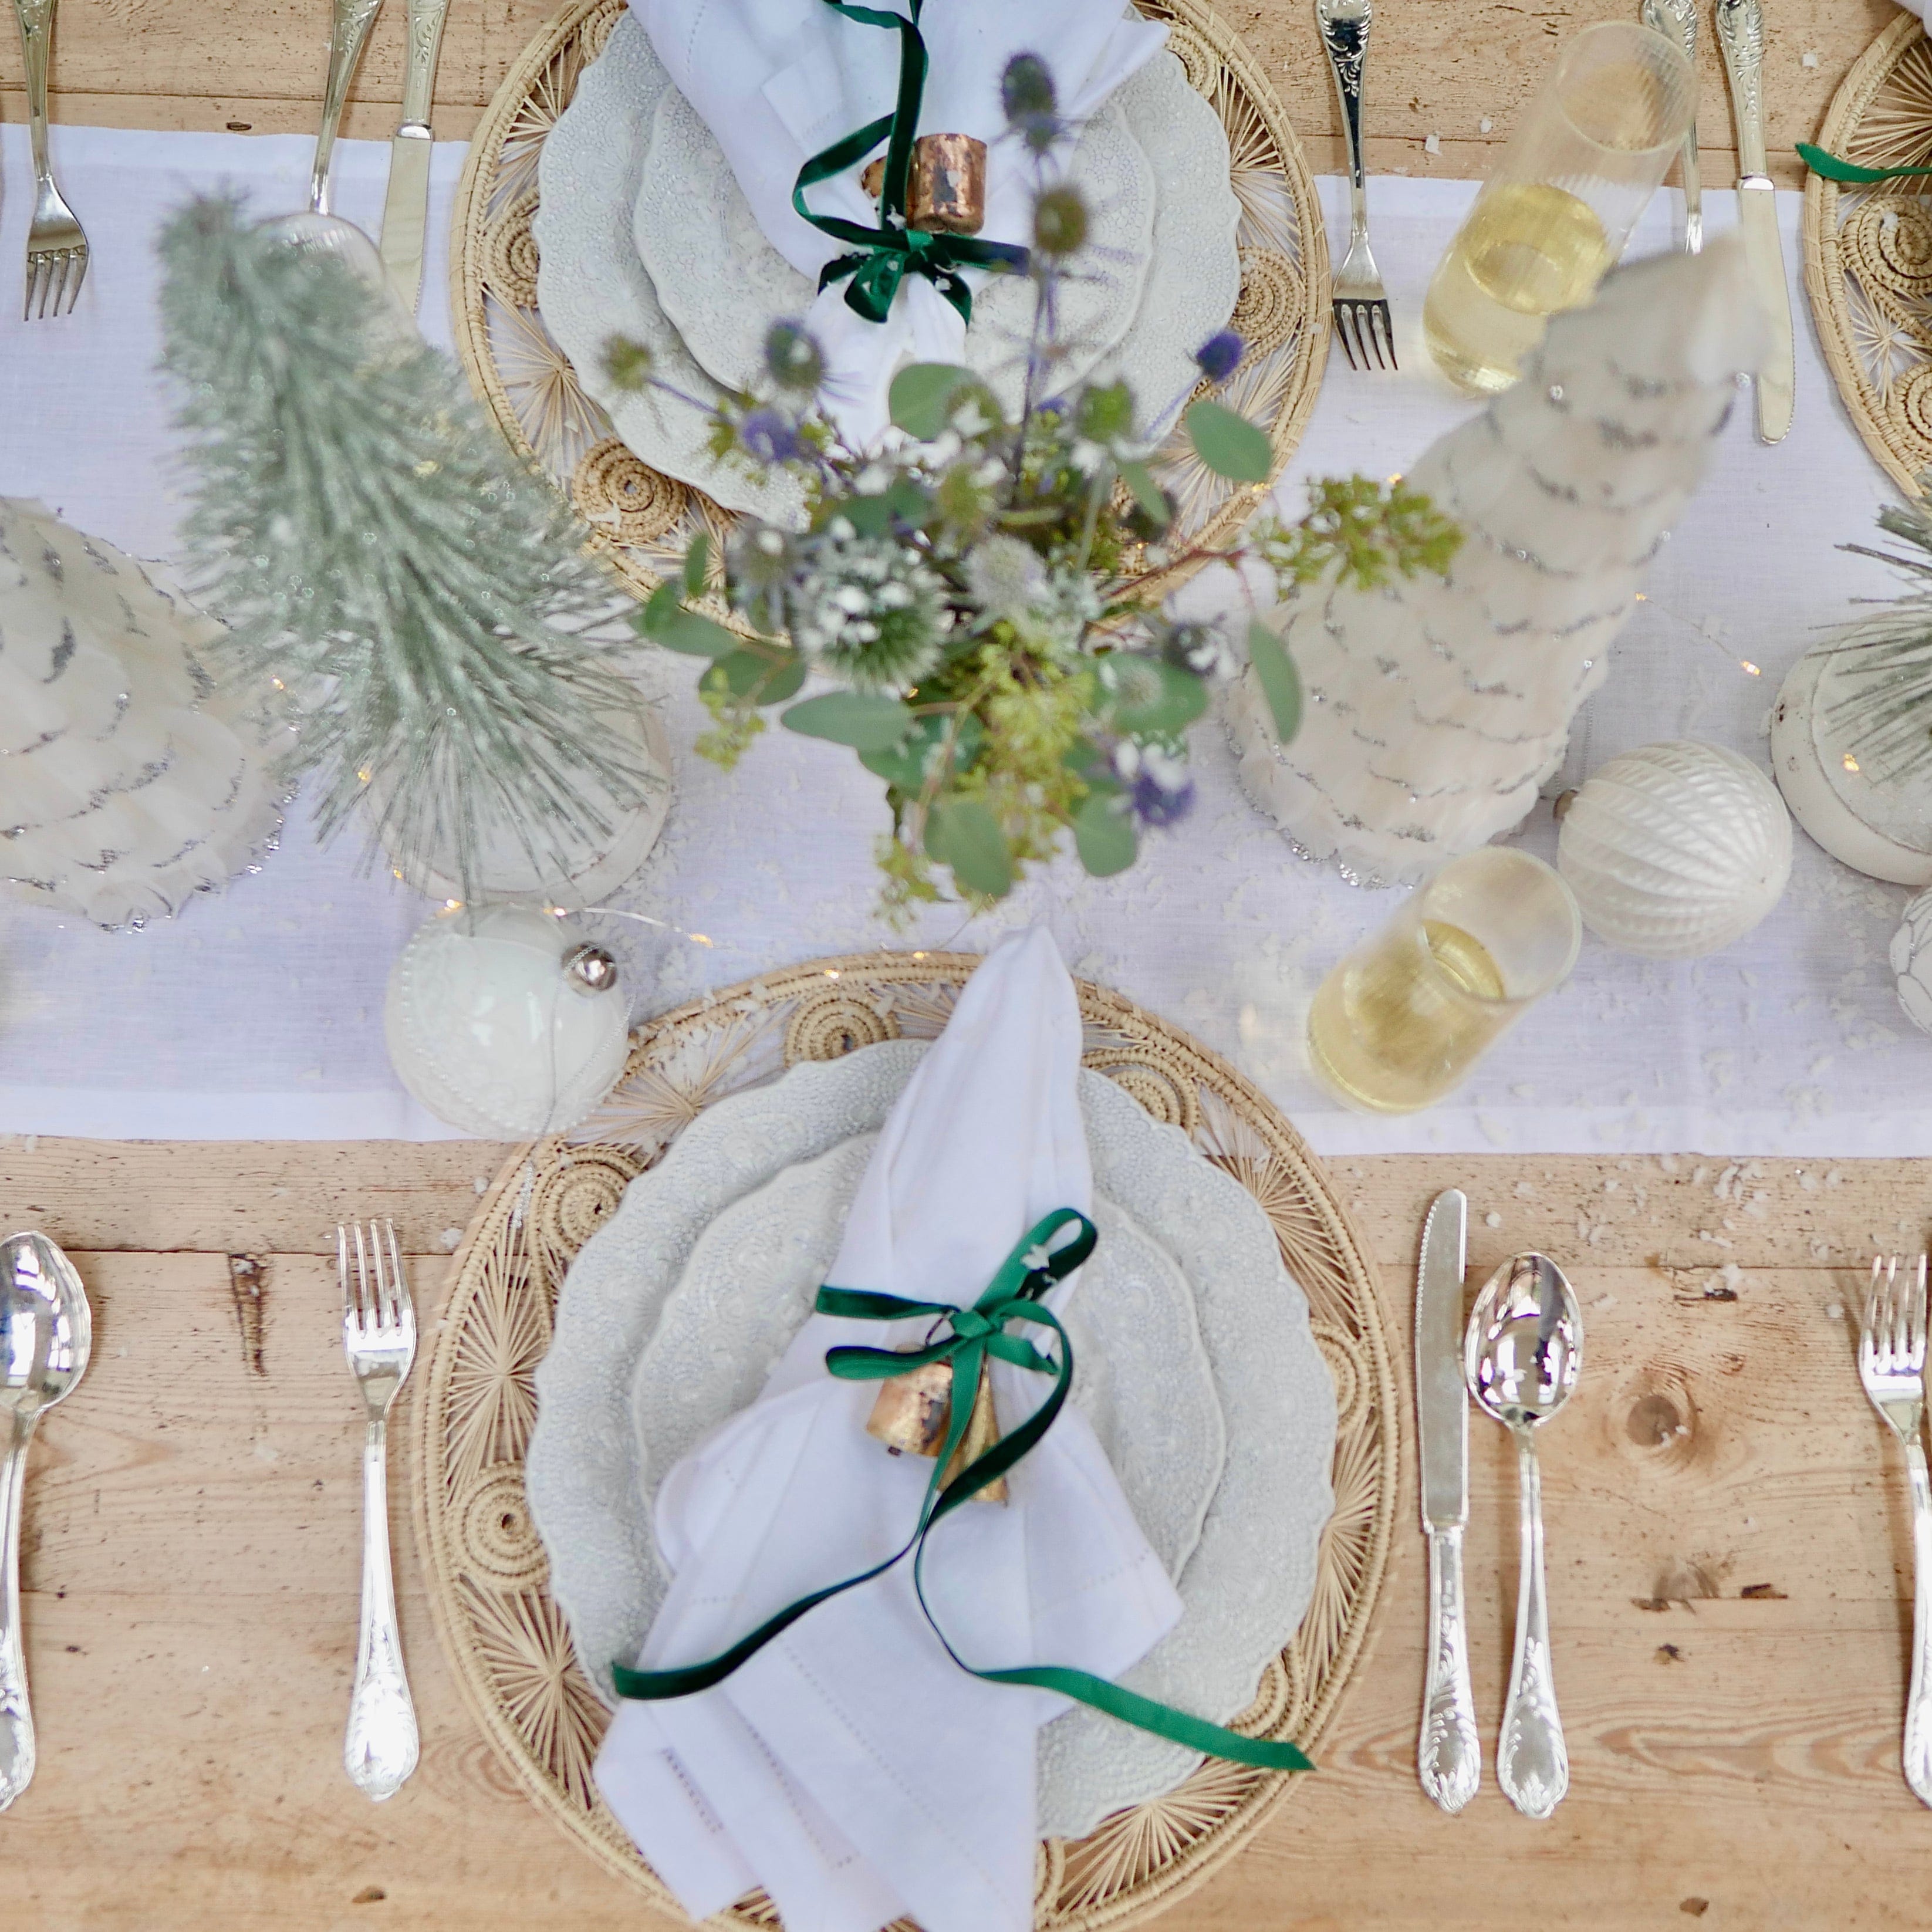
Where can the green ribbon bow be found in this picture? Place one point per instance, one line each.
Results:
(1038, 1260)
(886, 255)
(1849, 173)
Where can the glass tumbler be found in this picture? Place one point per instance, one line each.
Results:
(1592, 149)
(1400, 1021)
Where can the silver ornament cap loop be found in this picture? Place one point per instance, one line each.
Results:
(589, 969)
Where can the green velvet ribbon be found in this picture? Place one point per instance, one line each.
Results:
(886, 255)
(1849, 173)
(1038, 1260)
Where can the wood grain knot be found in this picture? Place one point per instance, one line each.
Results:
(1654, 1420)
(1660, 1416)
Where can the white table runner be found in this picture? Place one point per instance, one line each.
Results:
(259, 1013)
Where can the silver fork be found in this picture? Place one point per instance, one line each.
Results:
(56, 243)
(378, 1336)
(1891, 1365)
(1361, 303)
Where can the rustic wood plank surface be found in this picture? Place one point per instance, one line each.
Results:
(1459, 70)
(1729, 1554)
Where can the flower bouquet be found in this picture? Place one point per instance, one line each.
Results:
(972, 592)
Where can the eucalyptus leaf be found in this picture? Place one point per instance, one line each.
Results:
(1175, 698)
(1140, 479)
(665, 621)
(697, 562)
(757, 675)
(921, 396)
(865, 722)
(909, 501)
(907, 766)
(870, 516)
(1104, 836)
(1229, 445)
(962, 833)
(1280, 683)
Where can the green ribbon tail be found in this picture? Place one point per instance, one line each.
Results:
(1144, 1713)
(1849, 174)
(1039, 1259)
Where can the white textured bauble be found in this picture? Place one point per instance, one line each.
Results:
(1675, 850)
(1912, 961)
(489, 1027)
(1878, 825)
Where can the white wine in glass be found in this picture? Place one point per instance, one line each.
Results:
(1388, 1030)
(1528, 251)
(1551, 221)
(1402, 1020)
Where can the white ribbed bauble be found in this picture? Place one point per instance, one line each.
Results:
(1675, 850)
(499, 1022)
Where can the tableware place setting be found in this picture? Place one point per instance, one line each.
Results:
(913, 1436)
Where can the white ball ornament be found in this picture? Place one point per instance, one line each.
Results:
(1675, 850)
(501, 1021)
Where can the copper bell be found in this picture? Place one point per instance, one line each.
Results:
(913, 1411)
(947, 192)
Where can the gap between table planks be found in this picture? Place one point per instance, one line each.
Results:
(1729, 1557)
(1436, 68)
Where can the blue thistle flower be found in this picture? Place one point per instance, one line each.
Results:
(1155, 804)
(793, 357)
(768, 436)
(1219, 355)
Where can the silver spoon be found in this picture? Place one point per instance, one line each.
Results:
(47, 1330)
(1520, 1357)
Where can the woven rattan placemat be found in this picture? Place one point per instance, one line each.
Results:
(488, 1586)
(1868, 252)
(642, 520)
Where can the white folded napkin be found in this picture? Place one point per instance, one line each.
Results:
(778, 81)
(851, 1768)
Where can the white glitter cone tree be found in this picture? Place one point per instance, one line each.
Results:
(129, 782)
(1436, 708)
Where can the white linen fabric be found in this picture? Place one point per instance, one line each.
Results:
(851, 1768)
(258, 1014)
(778, 81)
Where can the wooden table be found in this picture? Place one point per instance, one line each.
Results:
(1730, 1552)
(1459, 70)
(1730, 1573)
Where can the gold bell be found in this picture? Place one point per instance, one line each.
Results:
(912, 1413)
(946, 194)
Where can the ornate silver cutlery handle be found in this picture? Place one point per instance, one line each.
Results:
(37, 41)
(1449, 1756)
(1532, 1762)
(1676, 20)
(1740, 40)
(1344, 25)
(380, 1748)
(347, 33)
(425, 30)
(1918, 1751)
(17, 1718)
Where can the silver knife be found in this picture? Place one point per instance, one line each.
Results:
(1448, 1757)
(406, 211)
(1676, 20)
(1741, 35)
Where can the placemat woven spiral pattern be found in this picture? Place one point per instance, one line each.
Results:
(641, 520)
(1868, 252)
(504, 1636)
